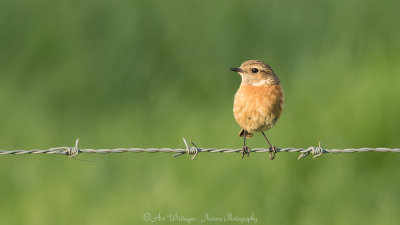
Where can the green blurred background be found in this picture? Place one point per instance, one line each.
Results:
(147, 73)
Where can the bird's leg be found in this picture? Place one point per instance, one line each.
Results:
(272, 149)
(246, 150)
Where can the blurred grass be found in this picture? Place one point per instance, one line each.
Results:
(146, 73)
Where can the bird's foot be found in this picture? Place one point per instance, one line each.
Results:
(245, 151)
(272, 151)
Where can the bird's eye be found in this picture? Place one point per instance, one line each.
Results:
(254, 70)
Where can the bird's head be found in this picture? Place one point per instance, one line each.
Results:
(256, 73)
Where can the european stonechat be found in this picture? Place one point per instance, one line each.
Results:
(258, 102)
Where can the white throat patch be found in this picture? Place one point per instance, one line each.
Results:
(261, 82)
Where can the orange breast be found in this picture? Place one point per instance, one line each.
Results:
(258, 108)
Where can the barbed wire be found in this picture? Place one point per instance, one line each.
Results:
(192, 150)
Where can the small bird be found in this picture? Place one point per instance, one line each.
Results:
(258, 102)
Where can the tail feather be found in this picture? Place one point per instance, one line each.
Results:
(241, 133)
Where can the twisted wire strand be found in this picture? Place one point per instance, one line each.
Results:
(192, 150)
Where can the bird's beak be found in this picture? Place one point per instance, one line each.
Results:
(236, 70)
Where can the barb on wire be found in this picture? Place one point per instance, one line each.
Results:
(192, 150)
(189, 150)
(316, 151)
